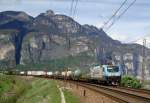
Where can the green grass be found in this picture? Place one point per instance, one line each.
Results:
(42, 91)
(14, 89)
(70, 98)
(147, 82)
(11, 87)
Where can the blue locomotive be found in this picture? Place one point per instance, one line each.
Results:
(109, 74)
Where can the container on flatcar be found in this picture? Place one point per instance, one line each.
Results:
(29, 73)
(49, 73)
(38, 73)
(22, 73)
(63, 73)
(56, 73)
(69, 73)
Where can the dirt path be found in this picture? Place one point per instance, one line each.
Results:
(62, 95)
(87, 95)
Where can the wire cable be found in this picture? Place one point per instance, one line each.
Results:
(141, 38)
(105, 23)
(71, 8)
(115, 20)
(75, 9)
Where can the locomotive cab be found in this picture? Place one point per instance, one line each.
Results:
(112, 74)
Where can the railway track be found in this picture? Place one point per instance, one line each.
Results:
(120, 94)
(142, 92)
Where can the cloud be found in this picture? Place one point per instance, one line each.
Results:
(127, 31)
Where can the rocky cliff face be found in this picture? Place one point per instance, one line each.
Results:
(49, 36)
(7, 48)
(55, 36)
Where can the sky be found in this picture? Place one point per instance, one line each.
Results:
(134, 24)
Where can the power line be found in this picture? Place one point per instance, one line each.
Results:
(134, 41)
(115, 20)
(143, 60)
(71, 8)
(105, 23)
(71, 15)
(75, 9)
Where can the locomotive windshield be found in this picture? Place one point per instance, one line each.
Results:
(113, 69)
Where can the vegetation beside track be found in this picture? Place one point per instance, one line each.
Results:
(15, 89)
(147, 82)
(11, 88)
(69, 97)
(130, 81)
(42, 91)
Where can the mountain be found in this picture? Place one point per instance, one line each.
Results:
(147, 38)
(49, 36)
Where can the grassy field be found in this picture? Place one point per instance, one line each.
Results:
(42, 91)
(70, 98)
(11, 88)
(14, 89)
(146, 84)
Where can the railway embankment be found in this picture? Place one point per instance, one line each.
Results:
(92, 93)
(86, 95)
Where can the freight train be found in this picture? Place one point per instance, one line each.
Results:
(102, 74)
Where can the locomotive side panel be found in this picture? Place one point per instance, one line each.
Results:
(96, 73)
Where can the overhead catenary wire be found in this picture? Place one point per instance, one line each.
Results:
(75, 9)
(70, 14)
(71, 7)
(115, 13)
(140, 38)
(115, 20)
(143, 60)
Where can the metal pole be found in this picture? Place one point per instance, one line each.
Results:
(143, 60)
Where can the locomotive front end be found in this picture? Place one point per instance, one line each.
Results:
(113, 74)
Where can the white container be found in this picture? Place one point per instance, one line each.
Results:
(49, 73)
(69, 73)
(63, 73)
(22, 73)
(29, 72)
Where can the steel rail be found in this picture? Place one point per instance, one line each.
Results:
(117, 95)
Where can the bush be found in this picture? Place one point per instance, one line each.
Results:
(130, 81)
